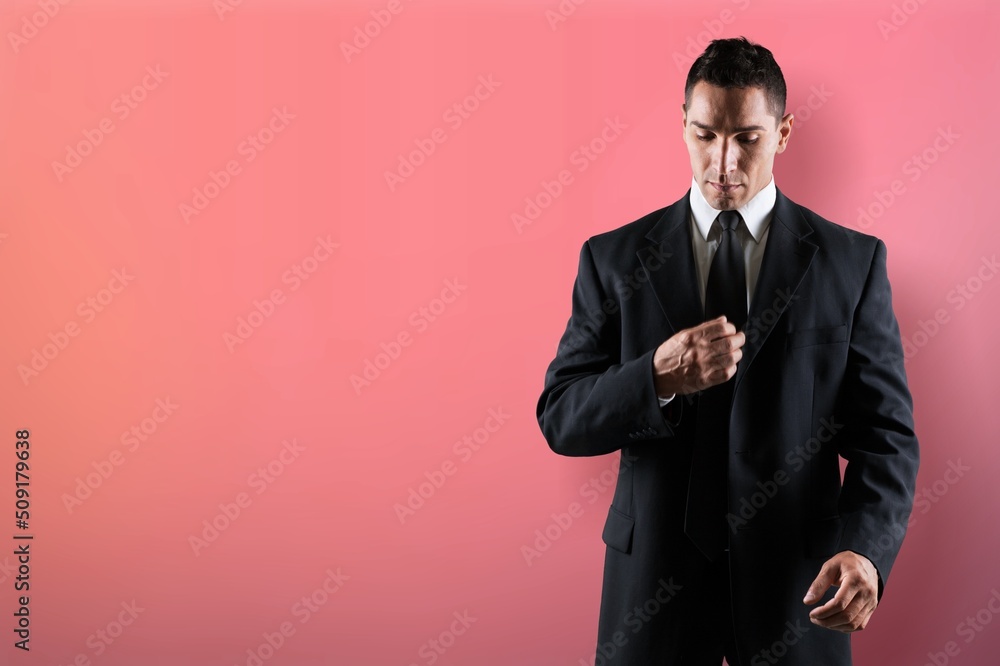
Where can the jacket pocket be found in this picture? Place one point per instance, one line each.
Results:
(618, 530)
(822, 335)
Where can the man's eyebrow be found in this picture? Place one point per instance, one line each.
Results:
(748, 128)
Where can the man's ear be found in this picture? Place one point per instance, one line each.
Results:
(785, 131)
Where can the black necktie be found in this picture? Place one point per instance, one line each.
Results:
(707, 501)
(726, 291)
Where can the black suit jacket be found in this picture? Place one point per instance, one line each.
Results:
(821, 376)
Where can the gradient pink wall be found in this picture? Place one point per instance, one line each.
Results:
(243, 178)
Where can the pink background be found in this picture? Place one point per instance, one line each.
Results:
(877, 100)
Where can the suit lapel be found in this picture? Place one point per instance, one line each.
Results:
(669, 262)
(670, 265)
(787, 257)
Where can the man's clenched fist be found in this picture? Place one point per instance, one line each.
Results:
(696, 358)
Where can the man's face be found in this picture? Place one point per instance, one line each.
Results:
(732, 139)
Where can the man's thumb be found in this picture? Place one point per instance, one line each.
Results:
(819, 586)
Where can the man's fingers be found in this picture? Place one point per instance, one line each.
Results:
(702, 356)
(737, 356)
(855, 601)
(852, 618)
(715, 328)
(846, 595)
(728, 344)
(827, 576)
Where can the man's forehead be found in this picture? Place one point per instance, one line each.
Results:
(736, 109)
(739, 128)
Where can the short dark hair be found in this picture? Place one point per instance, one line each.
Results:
(739, 63)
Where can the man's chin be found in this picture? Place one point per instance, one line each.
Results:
(721, 201)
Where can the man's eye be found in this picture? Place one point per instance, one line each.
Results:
(702, 137)
(750, 141)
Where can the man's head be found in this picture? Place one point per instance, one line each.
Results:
(734, 120)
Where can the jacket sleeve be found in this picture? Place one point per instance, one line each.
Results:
(877, 440)
(592, 403)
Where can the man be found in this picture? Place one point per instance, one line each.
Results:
(733, 346)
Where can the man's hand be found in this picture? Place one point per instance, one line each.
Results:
(855, 601)
(695, 358)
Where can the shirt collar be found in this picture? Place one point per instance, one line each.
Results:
(756, 213)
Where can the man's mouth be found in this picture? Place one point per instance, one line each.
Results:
(725, 189)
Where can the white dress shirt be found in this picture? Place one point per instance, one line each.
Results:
(756, 215)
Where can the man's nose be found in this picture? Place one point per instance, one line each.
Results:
(725, 159)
